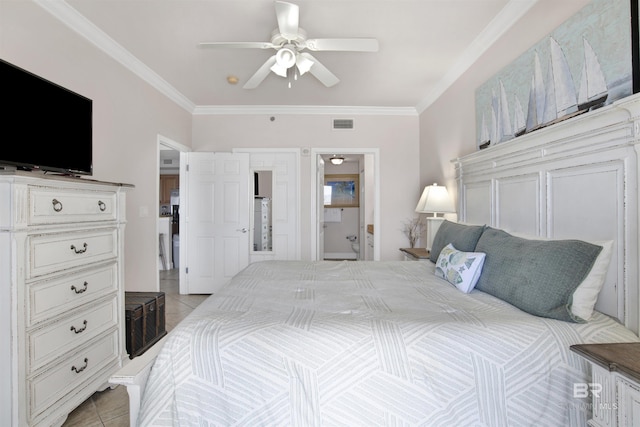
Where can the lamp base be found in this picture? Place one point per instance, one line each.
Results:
(433, 224)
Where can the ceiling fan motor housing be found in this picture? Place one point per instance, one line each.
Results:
(278, 39)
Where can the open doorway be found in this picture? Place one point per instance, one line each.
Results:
(346, 210)
(346, 228)
(170, 197)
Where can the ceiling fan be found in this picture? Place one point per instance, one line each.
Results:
(290, 43)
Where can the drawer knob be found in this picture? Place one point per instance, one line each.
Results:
(79, 291)
(77, 331)
(102, 206)
(78, 370)
(57, 205)
(80, 251)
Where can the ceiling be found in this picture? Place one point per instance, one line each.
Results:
(424, 46)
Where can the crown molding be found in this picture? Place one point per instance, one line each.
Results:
(507, 17)
(81, 25)
(78, 23)
(304, 110)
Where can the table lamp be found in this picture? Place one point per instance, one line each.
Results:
(434, 200)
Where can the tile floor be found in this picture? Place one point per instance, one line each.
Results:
(110, 408)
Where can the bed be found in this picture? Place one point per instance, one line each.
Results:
(400, 343)
(367, 343)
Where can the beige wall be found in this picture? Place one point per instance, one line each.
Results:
(128, 116)
(395, 136)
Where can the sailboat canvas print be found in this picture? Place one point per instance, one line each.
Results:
(584, 64)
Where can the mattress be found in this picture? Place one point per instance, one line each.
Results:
(366, 344)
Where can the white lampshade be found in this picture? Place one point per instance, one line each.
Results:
(435, 199)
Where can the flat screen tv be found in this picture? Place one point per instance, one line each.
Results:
(43, 125)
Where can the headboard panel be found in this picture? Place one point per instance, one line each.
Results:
(576, 179)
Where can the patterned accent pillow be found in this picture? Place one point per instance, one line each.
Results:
(461, 269)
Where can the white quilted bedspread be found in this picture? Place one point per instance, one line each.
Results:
(291, 343)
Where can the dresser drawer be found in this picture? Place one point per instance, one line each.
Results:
(49, 342)
(50, 298)
(49, 253)
(54, 206)
(46, 389)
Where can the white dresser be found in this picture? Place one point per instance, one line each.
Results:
(61, 294)
(614, 387)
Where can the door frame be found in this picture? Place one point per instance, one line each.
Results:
(315, 152)
(163, 141)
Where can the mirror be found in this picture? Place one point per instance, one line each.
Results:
(262, 207)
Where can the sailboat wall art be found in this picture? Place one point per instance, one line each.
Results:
(584, 64)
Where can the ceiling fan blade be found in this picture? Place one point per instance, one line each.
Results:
(261, 74)
(236, 45)
(288, 15)
(321, 72)
(351, 45)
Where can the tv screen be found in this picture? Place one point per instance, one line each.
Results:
(44, 126)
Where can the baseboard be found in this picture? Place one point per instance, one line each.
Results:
(340, 255)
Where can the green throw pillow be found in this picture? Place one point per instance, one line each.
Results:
(463, 237)
(537, 276)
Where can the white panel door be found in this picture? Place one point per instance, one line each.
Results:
(217, 219)
(285, 205)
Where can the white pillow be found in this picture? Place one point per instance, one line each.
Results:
(461, 269)
(586, 294)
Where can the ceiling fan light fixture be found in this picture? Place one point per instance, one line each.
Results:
(279, 70)
(290, 43)
(336, 160)
(286, 57)
(303, 64)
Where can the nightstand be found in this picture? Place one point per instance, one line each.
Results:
(415, 254)
(615, 383)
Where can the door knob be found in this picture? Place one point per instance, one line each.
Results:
(244, 230)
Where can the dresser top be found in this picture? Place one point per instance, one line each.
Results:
(38, 175)
(616, 357)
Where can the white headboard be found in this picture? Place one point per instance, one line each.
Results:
(575, 179)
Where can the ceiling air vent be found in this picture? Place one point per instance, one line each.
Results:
(343, 124)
